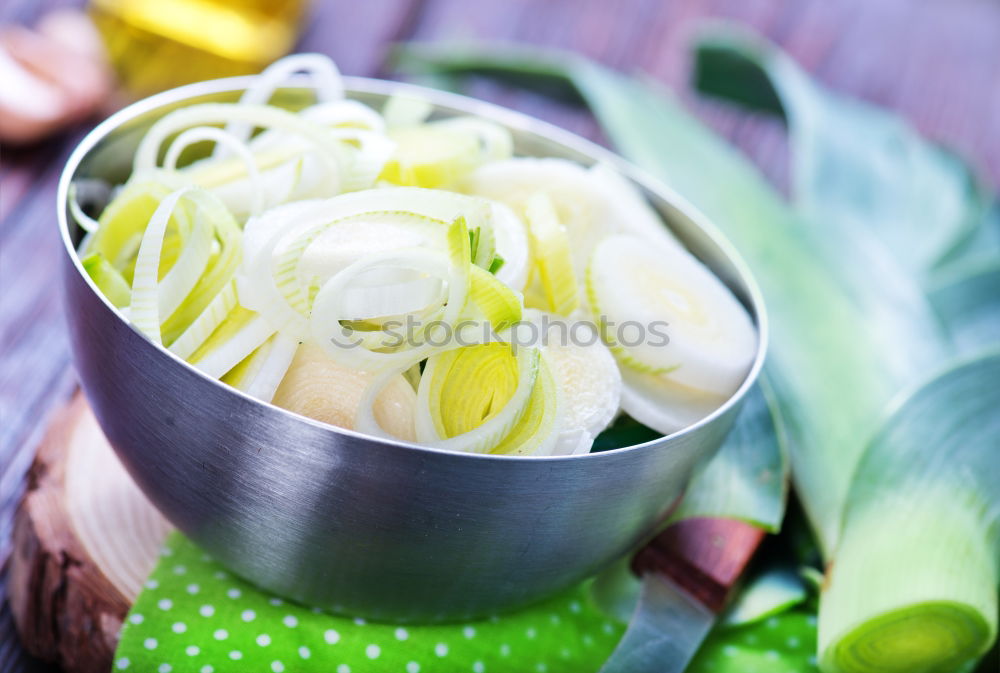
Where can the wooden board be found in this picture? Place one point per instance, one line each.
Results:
(86, 538)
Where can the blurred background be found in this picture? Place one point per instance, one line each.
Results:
(66, 64)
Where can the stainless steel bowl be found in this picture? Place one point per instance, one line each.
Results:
(339, 520)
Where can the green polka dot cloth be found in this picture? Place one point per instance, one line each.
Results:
(193, 616)
(785, 643)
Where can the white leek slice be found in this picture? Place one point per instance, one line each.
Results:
(427, 156)
(249, 196)
(340, 246)
(86, 222)
(270, 282)
(188, 267)
(553, 259)
(260, 373)
(368, 152)
(443, 152)
(321, 70)
(670, 314)
(328, 150)
(121, 224)
(634, 214)
(511, 238)
(220, 138)
(217, 276)
(581, 202)
(207, 321)
(236, 338)
(392, 299)
(328, 309)
(404, 110)
(328, 391)
(586, 372)
(495, 141)
(471, 398)
(662, 404)
(144, 312)
(344, 114)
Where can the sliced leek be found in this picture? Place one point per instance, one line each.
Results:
(371, 271)
(588, 379)
(667, 312)
(107, 279)
(582, 204)
(323, 389)
(553, 256)
(442, 153)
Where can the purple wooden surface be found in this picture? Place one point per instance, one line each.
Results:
(935, 61)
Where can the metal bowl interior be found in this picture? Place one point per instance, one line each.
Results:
(347, 522)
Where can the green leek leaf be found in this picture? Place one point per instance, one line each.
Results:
(918, 559)
(854, 165)
(968, 301)
(748, 478)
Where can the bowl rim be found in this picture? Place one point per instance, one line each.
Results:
(507, 117)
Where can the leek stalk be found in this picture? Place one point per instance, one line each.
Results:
(904, 505)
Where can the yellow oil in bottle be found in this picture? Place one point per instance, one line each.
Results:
(158, 44)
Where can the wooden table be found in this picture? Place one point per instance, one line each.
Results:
(935, 61)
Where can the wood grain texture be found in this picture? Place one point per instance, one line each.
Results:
(67, 611)
(936, 62)
(85, 539)
(705, 557)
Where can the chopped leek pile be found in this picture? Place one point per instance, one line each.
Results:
(409, 277)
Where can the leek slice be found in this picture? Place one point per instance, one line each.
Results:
(249, 196)
(492, 301)
(107, 279)
(662, 404)
(710, 340)
(86, 222)
(188, 286)
(207, 321)
(471, 398)
(328, 150)
(217, 276)
(328, 309)
(239, 335)
(551, 251)
(260, 373)
(321, 388)
(588, 379)
(321, 70)
(443, 152)
(122, 223)
(276, 282)
(145, 304)
(635, 215)
(512, 249)
(400, 110)
(351, 239)
(582, 203)
(343, 114)
(537, 431)
(427, 156)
